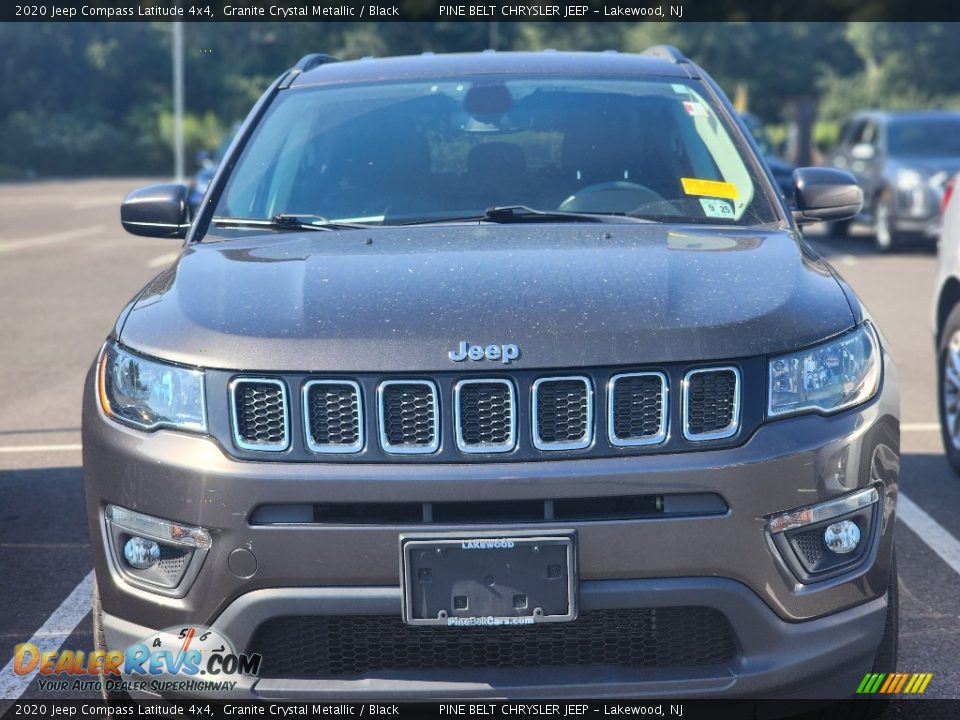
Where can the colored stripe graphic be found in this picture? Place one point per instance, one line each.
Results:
(894, 683)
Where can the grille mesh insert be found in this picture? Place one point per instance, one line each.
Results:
(486, 414)
(333, 413)
(563, 413)
(318, 646)
(711, 401)
(260, 413)
(811, 546)
(637, 407)
(409, 415)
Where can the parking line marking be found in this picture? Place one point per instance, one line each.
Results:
(12, 245)
(51, 635)
(930, 531)
(920, 427)
(163, 260)
(40, 448)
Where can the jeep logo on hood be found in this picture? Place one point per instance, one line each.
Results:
(503, 353)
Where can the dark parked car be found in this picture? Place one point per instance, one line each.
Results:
(497, 375)
(902, 161)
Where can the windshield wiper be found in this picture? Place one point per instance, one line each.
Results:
(522, 214)
(285, 221)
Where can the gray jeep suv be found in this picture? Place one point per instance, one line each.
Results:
(495, 375)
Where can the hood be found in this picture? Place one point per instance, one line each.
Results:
(567, 295)
(928, 166)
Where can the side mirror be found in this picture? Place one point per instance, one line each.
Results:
(863, 151)
(156, 211)
(825, 194)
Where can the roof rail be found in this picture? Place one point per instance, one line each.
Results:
(305, 64)
(666, 52)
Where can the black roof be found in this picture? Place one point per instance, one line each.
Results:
(547, 62)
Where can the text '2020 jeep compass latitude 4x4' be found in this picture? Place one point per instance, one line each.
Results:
(498, 375)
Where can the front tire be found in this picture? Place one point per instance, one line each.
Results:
(948, 384)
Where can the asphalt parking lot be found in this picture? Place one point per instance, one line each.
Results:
(66, 269)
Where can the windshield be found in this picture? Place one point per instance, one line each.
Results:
(939, 137)
(448, 150)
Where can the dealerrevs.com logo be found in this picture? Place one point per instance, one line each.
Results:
(183, 659)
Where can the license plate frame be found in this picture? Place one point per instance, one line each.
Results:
(488, 580)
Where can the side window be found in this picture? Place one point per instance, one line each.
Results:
(870, 134)
(857, 130)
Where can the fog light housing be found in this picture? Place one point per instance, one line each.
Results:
(154, 554)
(827, 539)
(141, 553)
(842, 537)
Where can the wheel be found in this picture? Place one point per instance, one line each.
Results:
(886, 237)
(948, 380)
(109, 695)
(885, 660)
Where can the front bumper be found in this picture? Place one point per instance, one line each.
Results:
(812, 640)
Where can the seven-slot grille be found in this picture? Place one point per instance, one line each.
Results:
(563, 413)
(711, 407)
(409, 417)
(558, 412)
(260, 416)
(486, 418)
(332, 415)
(636, 409)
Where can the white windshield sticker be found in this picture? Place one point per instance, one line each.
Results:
(714, 208)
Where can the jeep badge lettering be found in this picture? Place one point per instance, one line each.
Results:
(503, 353)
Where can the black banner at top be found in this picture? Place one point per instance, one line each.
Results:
(280, 11)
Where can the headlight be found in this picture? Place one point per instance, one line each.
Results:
(907, 180)
(827, 378)
(149, 394)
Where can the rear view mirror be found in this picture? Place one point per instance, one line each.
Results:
(825, 194)
(156, 211)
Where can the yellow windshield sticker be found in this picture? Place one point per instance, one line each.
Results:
(709, 188)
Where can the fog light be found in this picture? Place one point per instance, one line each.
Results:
(842, 537)
(141, 553)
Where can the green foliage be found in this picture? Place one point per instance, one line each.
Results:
(95, 98)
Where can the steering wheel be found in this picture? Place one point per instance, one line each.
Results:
(610, 197)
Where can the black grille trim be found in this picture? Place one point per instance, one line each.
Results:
(243, 415)
(322, 444)
(465, 418)
(384, 393)
(545, 411)
(697, 424)
(622, 406)
(317, 646)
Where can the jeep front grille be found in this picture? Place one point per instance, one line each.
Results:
(637, 409)
(409, 417)
(333, 416)
(563, 413)
(260, 415)
(451, 417)
(711, 403)
(486, 417)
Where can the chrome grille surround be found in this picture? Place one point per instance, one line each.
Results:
(410, 448)
(664, 403)
(734, 426)
(235, 387)
(587, 437)
(462, 444)
(332, 448)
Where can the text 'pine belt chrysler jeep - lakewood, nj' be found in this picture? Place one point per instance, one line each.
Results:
(495, 375)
